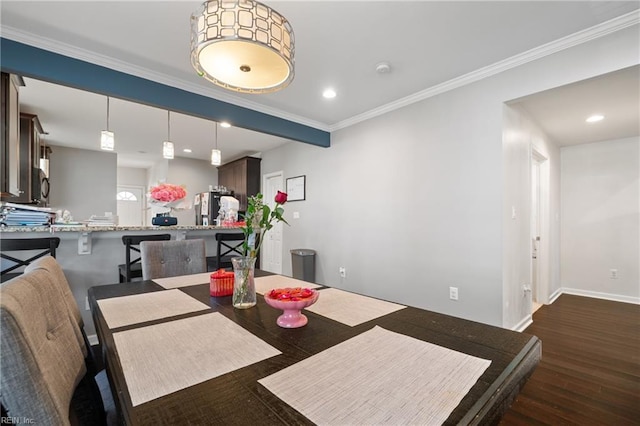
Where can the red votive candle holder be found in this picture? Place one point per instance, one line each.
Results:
(221, 283)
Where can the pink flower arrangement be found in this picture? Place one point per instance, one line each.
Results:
(166, 192)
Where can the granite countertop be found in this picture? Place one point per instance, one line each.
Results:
(86, 228)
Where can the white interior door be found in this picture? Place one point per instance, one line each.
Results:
(271, 256)
(540, 229)
(535, 226)
(130, 205)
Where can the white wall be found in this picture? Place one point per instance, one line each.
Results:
(134, 176)
(520, 136)
(412, 202)
(83, 181)
(601, 219)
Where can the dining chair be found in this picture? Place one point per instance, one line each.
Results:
(132, 268)
(43, 376)
(45, 246)
(161, 259)
(51, 266)
(228, 245)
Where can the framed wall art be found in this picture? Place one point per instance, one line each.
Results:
(296, 188)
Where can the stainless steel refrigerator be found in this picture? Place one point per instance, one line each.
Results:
(207, 205)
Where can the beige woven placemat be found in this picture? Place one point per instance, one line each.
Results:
(164, 358)
(134, 309)
(184, 280)
(350, 308)
(378, 377)
(264, 284)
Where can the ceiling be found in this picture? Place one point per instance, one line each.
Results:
(338, 44)
(561, 112)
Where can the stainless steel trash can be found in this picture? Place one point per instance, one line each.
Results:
(303, 262)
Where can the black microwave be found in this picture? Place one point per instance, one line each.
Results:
(40, 188)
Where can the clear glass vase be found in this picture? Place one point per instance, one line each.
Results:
(244, 286)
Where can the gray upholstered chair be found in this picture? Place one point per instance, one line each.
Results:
(162, 259)
(43, 373)
(132, 268)
(50, 265)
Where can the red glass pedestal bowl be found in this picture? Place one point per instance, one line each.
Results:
(291, 307)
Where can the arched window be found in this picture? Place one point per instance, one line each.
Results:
(126, 196)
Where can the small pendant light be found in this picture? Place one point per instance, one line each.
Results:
(216, 155)
(167, 146)
(107, 138)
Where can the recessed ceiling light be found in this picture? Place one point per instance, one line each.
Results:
(329, 93)
(186, 150)
(225, 125)
(595, 118)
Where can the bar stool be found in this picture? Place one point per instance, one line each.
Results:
(132, 268)
(228, 245)
(10, 263)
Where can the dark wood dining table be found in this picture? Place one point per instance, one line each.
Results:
(236, 398)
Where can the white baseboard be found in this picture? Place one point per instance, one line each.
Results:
(526, 322)
(555, 295)
(600, 295)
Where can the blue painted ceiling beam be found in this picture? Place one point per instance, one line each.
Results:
(29, 61)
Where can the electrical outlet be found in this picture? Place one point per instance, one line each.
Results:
(453, 293)
(86, 303)
(613, 274)
(343, 272)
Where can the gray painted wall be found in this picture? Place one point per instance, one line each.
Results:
(411, 202)
(83, 181)
(134, 176)
(196, 176)
(520, 137)
(601, 218)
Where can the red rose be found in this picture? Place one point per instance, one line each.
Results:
(281, 197)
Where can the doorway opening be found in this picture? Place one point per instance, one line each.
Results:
(271, 251)
(130, 205)
(539, 229)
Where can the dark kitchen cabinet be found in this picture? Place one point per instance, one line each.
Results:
(30, 177)
(242, 177)
(10, 163)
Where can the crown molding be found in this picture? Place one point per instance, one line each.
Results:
(65, 49)
(583, 36)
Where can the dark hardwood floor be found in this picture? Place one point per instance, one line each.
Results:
(590, 368)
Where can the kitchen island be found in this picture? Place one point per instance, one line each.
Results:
(90, 255)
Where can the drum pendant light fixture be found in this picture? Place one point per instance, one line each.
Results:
(216, 155)
(242, 45)
(167, 146)
(107, 138)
